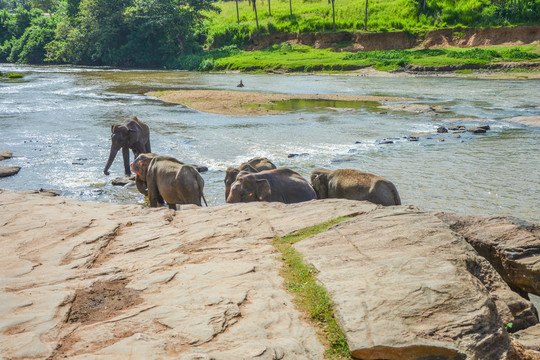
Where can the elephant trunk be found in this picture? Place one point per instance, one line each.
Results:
(112, 155)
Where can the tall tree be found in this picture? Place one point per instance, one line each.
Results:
(237, 13)
(365, 17)
(334, 16)
(254, 4)
(290, 6)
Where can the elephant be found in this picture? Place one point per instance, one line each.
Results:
(254, 165)
(277, 185)
(132, 134)
(354, 185)
(169, 180)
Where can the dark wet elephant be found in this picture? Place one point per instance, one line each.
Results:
(132, 134)
(282, 185)
(169, 180)
(254, 165)
(354, 185)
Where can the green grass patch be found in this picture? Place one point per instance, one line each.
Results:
(301, 58)
(14, 76)
(309, 296)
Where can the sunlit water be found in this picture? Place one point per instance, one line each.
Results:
(56, 118)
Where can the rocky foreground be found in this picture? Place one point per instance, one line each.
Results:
(83, 280)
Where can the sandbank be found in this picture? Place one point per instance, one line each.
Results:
(235, 102)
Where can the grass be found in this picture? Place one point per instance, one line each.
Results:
(301, 58)
(310, 297)
(383, 15)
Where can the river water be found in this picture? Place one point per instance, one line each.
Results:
(56, 121)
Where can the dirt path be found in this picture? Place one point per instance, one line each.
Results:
(245, 103)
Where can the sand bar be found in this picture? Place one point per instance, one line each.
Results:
(234, 102)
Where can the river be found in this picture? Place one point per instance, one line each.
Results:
(56, 121)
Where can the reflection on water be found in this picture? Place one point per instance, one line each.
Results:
(319, 104)
(58, 117)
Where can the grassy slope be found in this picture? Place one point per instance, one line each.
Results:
(383, 15)
(316, 16)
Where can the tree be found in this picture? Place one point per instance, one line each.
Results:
(334, 15)
(365, 17)
(254, 4)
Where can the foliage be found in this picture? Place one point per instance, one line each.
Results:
(311, 297)
(383, 15)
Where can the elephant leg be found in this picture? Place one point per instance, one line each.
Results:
(172, 206)
(125, 154)
(153, 194)
(148, 150)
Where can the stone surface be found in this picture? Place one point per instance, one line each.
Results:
(533, 121)
(6, 171)
(5, 155)
(529, 338)
(511, 245)
(405, 286)
(202, 282)
(83, 280)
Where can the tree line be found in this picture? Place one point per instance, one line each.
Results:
(130, 33)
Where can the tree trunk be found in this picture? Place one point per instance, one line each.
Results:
(334, 16)
(256, 18)
(237, 13)
(269, 11)
(290, 6)
(365, 20)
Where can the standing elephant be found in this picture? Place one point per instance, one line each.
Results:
(282, 185)
(252, 166)
(354, 185)
(132, 134)
(169, 180)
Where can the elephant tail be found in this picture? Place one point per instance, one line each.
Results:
(202, 195)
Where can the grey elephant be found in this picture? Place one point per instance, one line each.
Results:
(282, 185)
(254, 165)
(354, 185)
(132, 134)
(169, 180)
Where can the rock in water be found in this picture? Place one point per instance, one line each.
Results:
(6, 171)
(5, 155)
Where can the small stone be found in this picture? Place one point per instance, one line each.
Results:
(478, 130)
(4, 155)
(442, 129)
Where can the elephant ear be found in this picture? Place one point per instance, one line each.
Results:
(263, 190)
(113, 128)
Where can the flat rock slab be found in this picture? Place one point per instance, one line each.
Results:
(6, 171)
(405, 286)
(83, 280)
(511, 245)
(533, 120)
(5, 155)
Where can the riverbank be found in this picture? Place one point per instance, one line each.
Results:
(112, 280)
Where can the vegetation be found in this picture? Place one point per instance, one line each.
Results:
(383, 15)
(173, 33)
(288, 57)
(311, 297)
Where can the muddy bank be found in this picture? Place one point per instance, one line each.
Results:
(248, 103)
(356, 41)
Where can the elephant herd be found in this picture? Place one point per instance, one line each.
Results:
(167, 180)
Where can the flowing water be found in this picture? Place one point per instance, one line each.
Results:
(56, 121)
